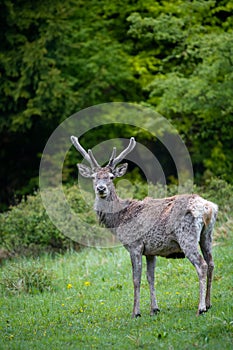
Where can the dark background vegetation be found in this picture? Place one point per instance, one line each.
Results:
(58, 57)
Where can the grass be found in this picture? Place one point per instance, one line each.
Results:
(89, 305)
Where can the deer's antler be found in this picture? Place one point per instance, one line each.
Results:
(88, 156)
(115, 160)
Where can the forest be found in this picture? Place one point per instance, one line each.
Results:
(59, 57)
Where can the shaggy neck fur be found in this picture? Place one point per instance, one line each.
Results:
(111, 209)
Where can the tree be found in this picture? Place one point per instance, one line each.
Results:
(186, 54)
(59, 57)
(55, 60)
(35, 93)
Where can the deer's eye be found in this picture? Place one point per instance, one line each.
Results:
(111, 176)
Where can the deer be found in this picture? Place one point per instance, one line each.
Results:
(172, 227)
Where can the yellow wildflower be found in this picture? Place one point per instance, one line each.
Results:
(87, 283)
(69, 285)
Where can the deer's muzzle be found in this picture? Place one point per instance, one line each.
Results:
(101, 191)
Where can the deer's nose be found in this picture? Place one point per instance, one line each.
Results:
(101, 188)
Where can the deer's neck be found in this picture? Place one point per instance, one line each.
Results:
(110, 210)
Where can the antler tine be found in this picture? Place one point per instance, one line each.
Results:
(122, 155)
(93, 160)
(112, 157)
(88, 156)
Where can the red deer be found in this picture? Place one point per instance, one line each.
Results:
(172, 227)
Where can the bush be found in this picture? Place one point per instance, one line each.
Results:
(27, 277)
(27, 227)
(221, 192)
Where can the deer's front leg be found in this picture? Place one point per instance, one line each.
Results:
(151, 261)
(136, 260)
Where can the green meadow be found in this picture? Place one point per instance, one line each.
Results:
(88, 302)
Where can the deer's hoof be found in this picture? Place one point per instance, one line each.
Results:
(201, 312)
(136, 315)
(154, 311)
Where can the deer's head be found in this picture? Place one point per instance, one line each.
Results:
(103, 176)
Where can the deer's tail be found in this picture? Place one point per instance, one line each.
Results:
(210, 213)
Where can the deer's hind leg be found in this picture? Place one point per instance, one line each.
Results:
(190, 231)
(206, 248)
(201, 267)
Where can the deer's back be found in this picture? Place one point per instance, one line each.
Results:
(159, 222)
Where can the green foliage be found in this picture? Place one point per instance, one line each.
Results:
(26, 277)
(34, 87)
(28, 226)
(220, 192)
(27, 229)
(59, 57)
(56, 58)
(185, 51)
(36, 93)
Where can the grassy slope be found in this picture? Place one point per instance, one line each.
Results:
(97, 315)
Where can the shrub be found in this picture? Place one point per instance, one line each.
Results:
(27, 277)
(221, 192)
(27, 227)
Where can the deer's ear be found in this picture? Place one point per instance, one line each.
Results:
(84, 170)
(120, 170)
